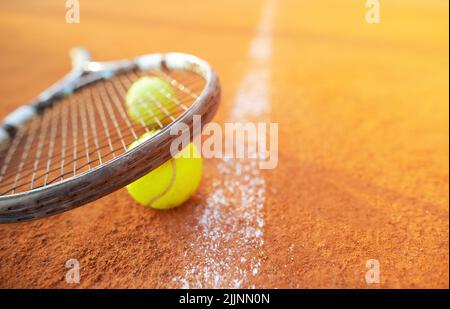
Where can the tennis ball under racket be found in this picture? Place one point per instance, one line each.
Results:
(170, 184)
(149, 100)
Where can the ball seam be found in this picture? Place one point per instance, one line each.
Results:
(171, 183)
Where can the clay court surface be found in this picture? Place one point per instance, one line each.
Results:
(363, 147)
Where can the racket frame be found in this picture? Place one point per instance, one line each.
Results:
(125, 168)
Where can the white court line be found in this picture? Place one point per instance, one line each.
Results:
(252, 99)
(229, 246)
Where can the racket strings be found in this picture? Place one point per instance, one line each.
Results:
(74, 161)
(87, 129)
(123, 114)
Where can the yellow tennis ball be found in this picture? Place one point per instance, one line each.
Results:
(149, 100)
(170, 184)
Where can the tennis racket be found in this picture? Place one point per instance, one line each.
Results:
(69, 147)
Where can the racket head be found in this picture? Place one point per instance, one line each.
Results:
(74, 149)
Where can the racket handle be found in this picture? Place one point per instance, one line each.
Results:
(79, 56)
